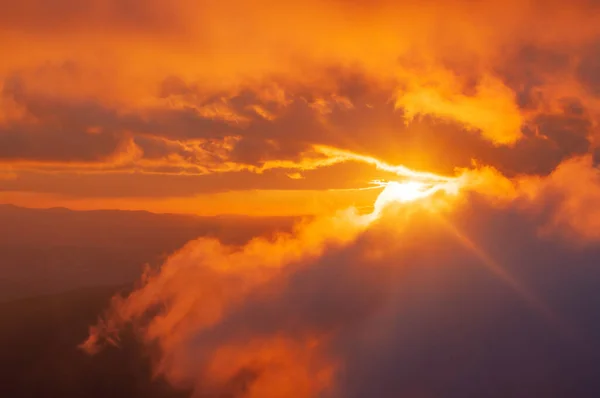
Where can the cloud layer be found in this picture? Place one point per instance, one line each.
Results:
(235, 96)
(484, 294)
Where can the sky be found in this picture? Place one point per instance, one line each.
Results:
(218, 107)
(447, 152)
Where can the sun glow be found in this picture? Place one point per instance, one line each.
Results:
(410, 191)
(405, 192)
(414, 184)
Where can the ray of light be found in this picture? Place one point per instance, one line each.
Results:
(532, 300)
(496, 269)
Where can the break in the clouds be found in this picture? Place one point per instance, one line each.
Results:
(198, 88)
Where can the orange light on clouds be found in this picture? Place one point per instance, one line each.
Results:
(183, 88)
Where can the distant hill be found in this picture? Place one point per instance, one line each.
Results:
(58, 270)
(39, 355)
(53, 250)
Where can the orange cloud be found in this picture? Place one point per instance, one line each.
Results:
(187, 88)
(491, 110)
(567, 196)
(7, 174)
(227, 277)
(573, 189)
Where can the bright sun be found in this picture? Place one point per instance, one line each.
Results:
(409, 191)
(402, 192)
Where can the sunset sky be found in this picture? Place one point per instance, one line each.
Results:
(447, 153)
(221, 106)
